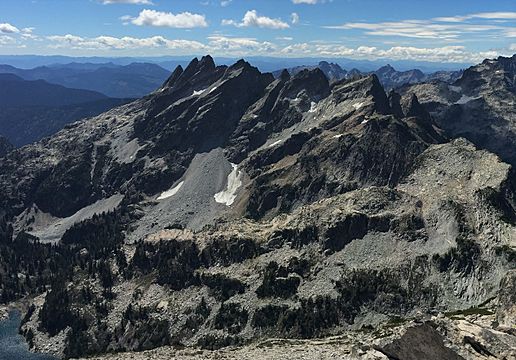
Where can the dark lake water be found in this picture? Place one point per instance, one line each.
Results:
(12, 345)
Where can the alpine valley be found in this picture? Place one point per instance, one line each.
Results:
(235, 214)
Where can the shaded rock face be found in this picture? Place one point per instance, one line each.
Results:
(422, 343)
(478, 106)
(348, 209)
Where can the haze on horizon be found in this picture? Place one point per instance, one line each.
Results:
(438, 31)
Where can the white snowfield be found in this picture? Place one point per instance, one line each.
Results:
(171, 192)
(313, 107)
(213, 89)
(229, 195)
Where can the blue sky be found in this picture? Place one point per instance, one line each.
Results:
(438, 30)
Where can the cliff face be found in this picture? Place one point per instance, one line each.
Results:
(230, 207)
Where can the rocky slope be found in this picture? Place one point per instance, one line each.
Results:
(230, 207)
(479, 106)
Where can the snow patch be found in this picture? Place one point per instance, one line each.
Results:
(456, 89)
(197, 93)
(364, 122)
(465, 99)
(213, 89)
(313, 107)
(275, 143)
(338, 136)
(229, 195)
(171, 192)
(358, 105)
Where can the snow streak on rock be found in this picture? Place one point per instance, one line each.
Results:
(171, 192)
(229, 195)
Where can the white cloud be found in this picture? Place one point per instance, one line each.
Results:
(294, 18)
(238, 45)
(457, 54)
(310, 2)
(512, 47)
(422, 29)
(135, 2)
(252, 19)
(485, 16)
(225, 3)
(7, 40)
(7, 28)
(183, 20)
(123, 43)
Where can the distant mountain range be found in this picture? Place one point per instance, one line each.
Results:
(129, 81)
(264, 63)
(31, 110)
(388, 75)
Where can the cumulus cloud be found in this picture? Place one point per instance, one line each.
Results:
(457, 54)
(185, 20)
(239, 45)
(252, 19)
(7, 28)
(294, 18)
(123, 43)
(135, 2)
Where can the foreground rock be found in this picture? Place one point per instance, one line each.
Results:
(457, 337)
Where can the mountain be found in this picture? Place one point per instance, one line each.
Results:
(233, 208)
(264, 63)
(16, 92)
(479, 106)
(26, 124)
(332, 71)
(389, 77)
(129, 81)
(31, 110)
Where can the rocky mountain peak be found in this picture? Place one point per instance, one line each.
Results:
(314, 82)
(285, 75)
(386, 69)
(173, 77)
(207, 62)
(395, 103)
(412, 108)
